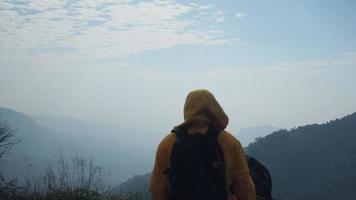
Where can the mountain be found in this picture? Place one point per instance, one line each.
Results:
(315, 161)
(42, 138)
(249, 134)
(136, 184)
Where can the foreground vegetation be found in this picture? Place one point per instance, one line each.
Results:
(70, 178)
(74, 178)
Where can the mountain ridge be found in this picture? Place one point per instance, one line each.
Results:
(248, 135)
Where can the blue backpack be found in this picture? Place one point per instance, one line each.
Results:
(197, 170)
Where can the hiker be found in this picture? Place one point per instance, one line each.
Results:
(228, 176)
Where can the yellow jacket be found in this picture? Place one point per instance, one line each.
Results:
(201, 110)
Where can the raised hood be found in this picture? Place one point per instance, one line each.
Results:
(201, 107)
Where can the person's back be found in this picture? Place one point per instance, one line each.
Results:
(202, 111)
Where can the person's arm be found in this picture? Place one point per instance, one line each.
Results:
(242, 186)
(159, 181)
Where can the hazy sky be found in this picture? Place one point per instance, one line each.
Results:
(284, 63)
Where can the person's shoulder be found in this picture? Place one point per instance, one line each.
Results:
(230, 146)
(167, 141)
(228, 138)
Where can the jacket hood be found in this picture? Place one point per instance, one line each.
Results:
(201, 107)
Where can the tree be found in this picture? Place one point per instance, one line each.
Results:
(7, 138)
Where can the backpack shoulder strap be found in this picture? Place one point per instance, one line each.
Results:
(180, 132)
(215, 151)
(213, 132)
(218, 164)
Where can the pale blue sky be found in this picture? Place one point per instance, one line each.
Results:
(271, 31)
(284, 63)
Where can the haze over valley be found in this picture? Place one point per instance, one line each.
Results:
(88, 89)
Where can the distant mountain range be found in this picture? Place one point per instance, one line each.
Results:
(123, 151)
(315, 162)
(42, 138)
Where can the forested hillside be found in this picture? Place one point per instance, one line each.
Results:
(311, 162)
(249, 134)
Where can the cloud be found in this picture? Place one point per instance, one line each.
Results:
(68, 31)
(220, 19)
(239, 15)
